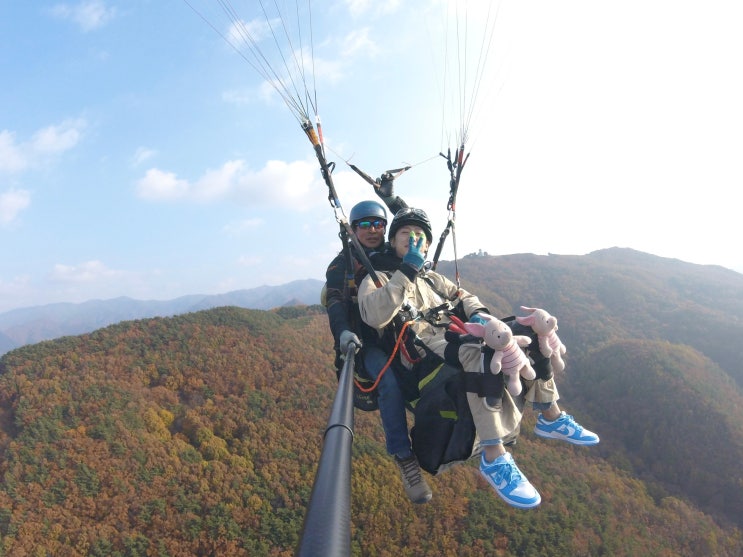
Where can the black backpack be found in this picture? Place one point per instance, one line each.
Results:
(444, 431)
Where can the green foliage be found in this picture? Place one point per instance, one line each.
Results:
(87, 481)
(294, 312)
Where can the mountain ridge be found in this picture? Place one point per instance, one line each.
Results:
(22, 326)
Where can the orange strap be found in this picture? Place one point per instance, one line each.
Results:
(398, 342)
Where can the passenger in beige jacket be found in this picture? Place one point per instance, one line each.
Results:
(415, 291)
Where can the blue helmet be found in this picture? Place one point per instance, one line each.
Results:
(367, 209)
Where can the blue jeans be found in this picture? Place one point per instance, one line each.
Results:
(391, 403)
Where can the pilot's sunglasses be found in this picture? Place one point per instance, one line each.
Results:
(375, 224)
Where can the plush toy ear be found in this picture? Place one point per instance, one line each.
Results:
(530, 310)
(476, 329)
(527, 320)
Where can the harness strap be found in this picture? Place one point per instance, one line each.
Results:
(389, 361)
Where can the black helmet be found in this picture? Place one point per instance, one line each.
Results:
(410, 215)
(367, 209)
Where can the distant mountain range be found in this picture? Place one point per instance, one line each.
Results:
(23, 326)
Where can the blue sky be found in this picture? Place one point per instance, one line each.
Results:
(141, 156)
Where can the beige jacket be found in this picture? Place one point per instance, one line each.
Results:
(379, 306)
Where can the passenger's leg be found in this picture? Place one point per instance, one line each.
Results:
(395, 425)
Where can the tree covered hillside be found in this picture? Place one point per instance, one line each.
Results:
(654, 356)
(200, 435)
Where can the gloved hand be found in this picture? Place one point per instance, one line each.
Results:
(478, 318)
(385, 185)
(414, 257)
(348, 338)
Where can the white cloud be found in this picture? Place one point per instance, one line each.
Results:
(353, 46)
(358, 41)
(90, 271)
(59, 138)
(88, 15)
(331, 71)
(12, 202)
(142, 154)
(12, 158)
(294, 184)
(220, 183)
(17, 156)
(253, 31)
(161, 186)
(280, 181)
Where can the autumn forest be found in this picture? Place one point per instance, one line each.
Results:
(200, 434)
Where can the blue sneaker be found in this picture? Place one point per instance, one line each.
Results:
(565, 428)
(509, 482)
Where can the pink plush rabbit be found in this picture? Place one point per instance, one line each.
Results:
(509, 357)
(545, 325)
